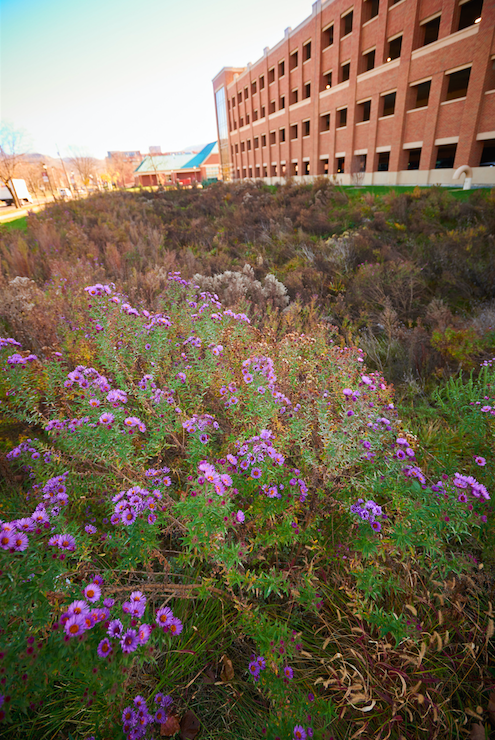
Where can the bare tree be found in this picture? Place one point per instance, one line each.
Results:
(358, 169)
(12, 148)
(121, 167)
(84, 164)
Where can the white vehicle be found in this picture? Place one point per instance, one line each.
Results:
(21, 192)
(65, 193)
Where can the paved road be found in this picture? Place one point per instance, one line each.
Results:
(9, 213)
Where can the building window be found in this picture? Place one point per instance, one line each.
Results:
(370, 9)
(345, 72)
(246, 93)
(327, 37)
(255, 114)
(383, 161)
(294, 169)
(271, 75)
(294, 60)
(282, 170)
(389, 104)
(249, 145)
(413, 159)
(327, 81)
(421, 94)
(253, 87)
(235, 125)
(272, 138)
(346, 24)
(323, 167)
(257, 171)
(282, 102)
(369, 60)
(281, 135)
(250, 173)
(274, 170)
(458, 84)
(306, 168)
(239, 97)
(233, 102)
(237, 148)
(445, 157)
(241, 122)
(243, 146)
(364, 111)
(342, 117)
(340, 165)
(394, 48)
(359, 164)
(488, 154)
(263, 139)
(262, 82)
(256, 142)
(305, 128)
(263, 111)
(307, 90)
(247, 119)
(281, 68)
(470, 13)
(293, 131)
(307, 51)
(325, 122)
(265, 171)
(294, 96)
(272, 106)
(429, 31)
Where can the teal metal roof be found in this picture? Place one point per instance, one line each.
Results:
(200, 157)
(174, 162)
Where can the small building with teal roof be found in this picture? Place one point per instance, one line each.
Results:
(185, 168)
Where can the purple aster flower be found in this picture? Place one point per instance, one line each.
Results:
(78, 608)
(75, 625)
(7, 540)
(376, 526)
(299, 733)
(129, 641)
(203, 438)
(163, 617)
(175, 626)
(90, 529)
(254, 669)
(128, 516)
(144, 633)
(160, 716)
(108, 603)
(347, 392)
(25, 525)
(288, 672)
(255, 473)
(104, 648)
(480, 460)
(128, 715)
(66, 542)
(240, 517)
(151, 518)
(115, 628)
(20, 541)
(92, 592)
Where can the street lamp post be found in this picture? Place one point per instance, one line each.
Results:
(46, 174)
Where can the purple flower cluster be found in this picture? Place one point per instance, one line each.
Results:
(209, 474)
(301, 734)
(256, 665)
(17, 359)
(133, 503)
(368, 511)
(25, 447)
(99, 289)
(132, 421)
(264, 367)
(404, 452)
(200, 422)
(478, 490)
(85, 377)
(166, 620)
(137, 718)
(9, 342)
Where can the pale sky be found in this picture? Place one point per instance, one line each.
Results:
(105, 75)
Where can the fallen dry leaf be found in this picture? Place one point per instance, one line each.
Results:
(170, 727)
(189, 726)
(477, 732)
(227, 672)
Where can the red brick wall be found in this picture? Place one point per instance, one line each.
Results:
(464, 118)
